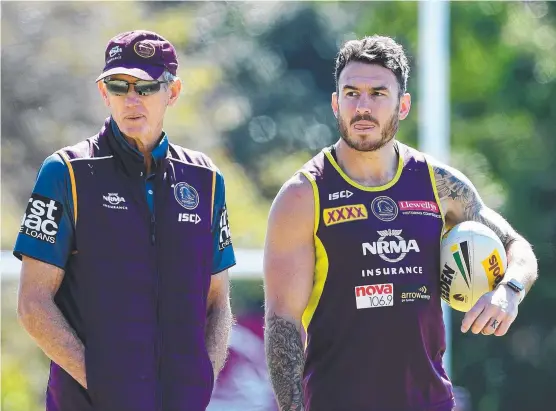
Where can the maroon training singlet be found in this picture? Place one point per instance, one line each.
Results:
(375, 333)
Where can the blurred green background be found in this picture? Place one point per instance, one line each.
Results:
(256, 98)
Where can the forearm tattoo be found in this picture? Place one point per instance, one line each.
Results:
(459, 189)
(466, 205)
(285, 359)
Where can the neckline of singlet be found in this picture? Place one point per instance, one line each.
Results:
(330, 153)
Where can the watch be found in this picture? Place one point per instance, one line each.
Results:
(515, 286)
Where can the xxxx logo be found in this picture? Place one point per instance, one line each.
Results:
(344, 214)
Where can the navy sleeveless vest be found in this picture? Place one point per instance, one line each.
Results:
(375, 333)
(135, 289)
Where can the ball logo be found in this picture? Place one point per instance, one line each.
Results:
(460, 297)
(493, 268)
(384, 208)
(446, 278)
(42, 218)
(461, 255)
(144, 49)
(186, 196)
(393, 250)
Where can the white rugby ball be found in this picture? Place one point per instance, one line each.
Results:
(472, 262)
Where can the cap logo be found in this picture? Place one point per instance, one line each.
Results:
(144, 49)
(115, 50)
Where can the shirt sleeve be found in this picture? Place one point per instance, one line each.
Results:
(47, 229)
(224, 256)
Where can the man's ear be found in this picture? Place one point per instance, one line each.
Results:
(334, 104)
(103, 93)
(175, 91)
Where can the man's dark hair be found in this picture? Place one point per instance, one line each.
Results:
(380, 50)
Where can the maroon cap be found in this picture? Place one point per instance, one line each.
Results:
(139, 53)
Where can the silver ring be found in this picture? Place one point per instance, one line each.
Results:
(494, 324)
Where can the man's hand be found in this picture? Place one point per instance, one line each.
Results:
(43, 320)
(493, 313)
(219, 320)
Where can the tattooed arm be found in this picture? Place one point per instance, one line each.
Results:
(289, 259)
(460, 202)
(219, 320)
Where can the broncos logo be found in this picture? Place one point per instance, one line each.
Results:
(186, 196)
(144, 49)
(384, 208)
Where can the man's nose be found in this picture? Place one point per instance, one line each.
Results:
(131, 98)
(364, 105)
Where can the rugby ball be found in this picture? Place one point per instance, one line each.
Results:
(472, 262)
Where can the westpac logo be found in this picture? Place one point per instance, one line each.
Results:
(42, 218)
(391, 246)
(344, 214)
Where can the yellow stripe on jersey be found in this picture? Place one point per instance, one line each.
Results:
(319, 280)
(359, 186)
(435, 190)
(72, 182)
(321, 263)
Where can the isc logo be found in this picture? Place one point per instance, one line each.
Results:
(375, 295)
(41, 218)
(189, 218)
(340, 194)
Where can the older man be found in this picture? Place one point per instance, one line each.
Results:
(125, 246)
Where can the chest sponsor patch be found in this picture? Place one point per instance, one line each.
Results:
(412, 293)
(429, 208)
(344, 214)
(114, 201)
(391, 246)
(42, 218)
(374, 295)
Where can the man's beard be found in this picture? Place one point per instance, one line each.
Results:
(387, 132)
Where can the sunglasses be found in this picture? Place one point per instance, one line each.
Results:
(142, 87)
